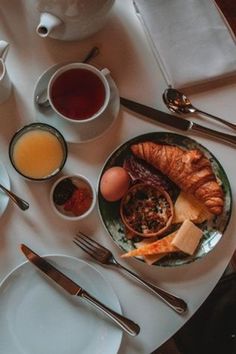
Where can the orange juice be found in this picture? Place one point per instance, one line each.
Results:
(38, 153)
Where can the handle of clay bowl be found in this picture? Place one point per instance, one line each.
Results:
(105, 72)
(4, 46)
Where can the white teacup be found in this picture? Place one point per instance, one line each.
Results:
(79, 92)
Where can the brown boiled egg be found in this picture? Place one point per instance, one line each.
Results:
(114, 183)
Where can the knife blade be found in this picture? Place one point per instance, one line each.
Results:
(174, 121)
(75, 289)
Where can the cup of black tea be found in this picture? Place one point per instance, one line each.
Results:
(79, 92)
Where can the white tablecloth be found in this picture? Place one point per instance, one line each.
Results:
(125, 51)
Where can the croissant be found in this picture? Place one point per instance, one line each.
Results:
(190, 170)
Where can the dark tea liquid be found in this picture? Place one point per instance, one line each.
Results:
(78, 94)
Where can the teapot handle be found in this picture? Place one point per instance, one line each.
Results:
(4, 46)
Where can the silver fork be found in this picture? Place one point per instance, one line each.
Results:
(104, 256)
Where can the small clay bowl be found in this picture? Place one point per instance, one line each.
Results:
(146, 210)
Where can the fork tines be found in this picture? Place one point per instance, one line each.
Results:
(93, 248)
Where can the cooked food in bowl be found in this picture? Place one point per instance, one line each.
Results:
(73, 197)
(146, 210)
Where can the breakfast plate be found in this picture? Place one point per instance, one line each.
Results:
(5, 181)
(213, 229)
(38, 317)
(71, 132)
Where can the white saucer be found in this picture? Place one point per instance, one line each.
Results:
(5, 181)
(41, 318)
(71, 132)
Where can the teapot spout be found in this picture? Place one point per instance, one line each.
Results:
(47, 24)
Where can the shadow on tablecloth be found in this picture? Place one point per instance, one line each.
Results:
(212, 330)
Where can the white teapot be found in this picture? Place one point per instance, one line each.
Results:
(71, 19)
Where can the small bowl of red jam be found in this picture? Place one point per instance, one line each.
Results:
(73, 197)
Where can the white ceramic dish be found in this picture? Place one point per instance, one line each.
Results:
(71, 132)
(78, 181)
(39, 317)
(70, 20)
(5, 181)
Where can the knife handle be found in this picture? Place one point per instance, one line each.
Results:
(127, 325)
(214, 133)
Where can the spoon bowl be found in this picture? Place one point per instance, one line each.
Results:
(177, 102)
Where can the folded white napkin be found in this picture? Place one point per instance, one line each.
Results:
(190, 39)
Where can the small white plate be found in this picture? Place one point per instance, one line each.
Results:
(5, 181)
(39, 317)
(71, 132)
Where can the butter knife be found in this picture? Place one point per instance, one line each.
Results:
(74, 289)
(175, 122)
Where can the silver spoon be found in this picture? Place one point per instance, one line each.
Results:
(42, 99)
(177, 102)
(21, 203)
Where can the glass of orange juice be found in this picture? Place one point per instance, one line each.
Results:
(38, 151)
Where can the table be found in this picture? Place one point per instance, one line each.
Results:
(124, 50)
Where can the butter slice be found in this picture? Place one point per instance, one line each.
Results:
(188, 207)
(187, 237)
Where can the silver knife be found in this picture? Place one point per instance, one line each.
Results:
(74, 289)
(174, 121)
